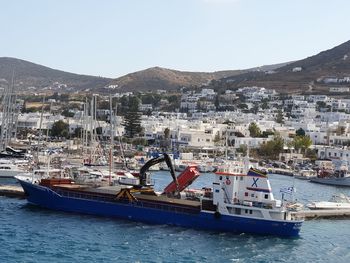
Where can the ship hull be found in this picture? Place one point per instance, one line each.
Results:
(343, 181)
(206, 220)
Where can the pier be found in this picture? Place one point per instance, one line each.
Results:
(324, 213)
(11, 191)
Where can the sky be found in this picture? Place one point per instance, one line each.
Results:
(111, 38)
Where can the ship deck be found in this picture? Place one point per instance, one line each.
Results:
(109, 193)
(165, 199)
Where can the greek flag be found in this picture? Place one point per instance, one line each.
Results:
(287, 190)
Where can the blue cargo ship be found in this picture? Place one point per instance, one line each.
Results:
(237, 203)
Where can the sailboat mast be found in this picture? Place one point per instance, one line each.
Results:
(111, 121)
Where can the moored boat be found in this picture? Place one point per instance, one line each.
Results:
(340, 179)
(9, 169)
(339, 201)
(305, 174)
(238, 204)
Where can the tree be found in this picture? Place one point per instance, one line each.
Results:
(302, 143)
(340, 130)
(255, 109)
(254, 130)
(132, 117)
(67, 113)
(217, 101)
(242, 106)
(320, 105)
(77, 132)
(279, 117)
(265, 105)
(166, 142)
(272, 149)
(300, 132)
(139, 141)
(243, 148)
(60, 129)
(153, 99)
(217, 138)
(266, 134)
(166, 133)
(132, 123)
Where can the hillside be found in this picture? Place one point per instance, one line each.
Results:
(38, 77)
(167, 79)
(307, 76)
(304, 76)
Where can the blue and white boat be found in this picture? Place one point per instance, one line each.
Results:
(236, 203)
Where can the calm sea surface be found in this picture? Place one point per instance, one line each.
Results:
(31, 234)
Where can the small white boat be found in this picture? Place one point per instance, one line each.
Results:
(9, 168)
(36, 175)
(339, 201)
(305, 174)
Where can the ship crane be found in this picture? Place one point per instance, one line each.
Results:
(145, 177)
(178, 184)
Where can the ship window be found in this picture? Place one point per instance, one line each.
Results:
(241, 178)
(220, 178)
(250, 211)
(246, 194)
(266, 196)
(216, 191)
(246, 211)
(252, 195)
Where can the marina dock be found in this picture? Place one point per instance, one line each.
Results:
(324, 213)
(11, 191)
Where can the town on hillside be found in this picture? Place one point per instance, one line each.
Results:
(203, 126)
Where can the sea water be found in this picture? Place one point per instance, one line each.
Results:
(32, 234)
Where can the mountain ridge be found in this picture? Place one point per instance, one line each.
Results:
(291, 77)
(29, 74)
(334, 62)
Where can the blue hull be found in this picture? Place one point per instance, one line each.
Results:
(47, 198)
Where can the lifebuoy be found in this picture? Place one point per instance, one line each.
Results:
(228, 182)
